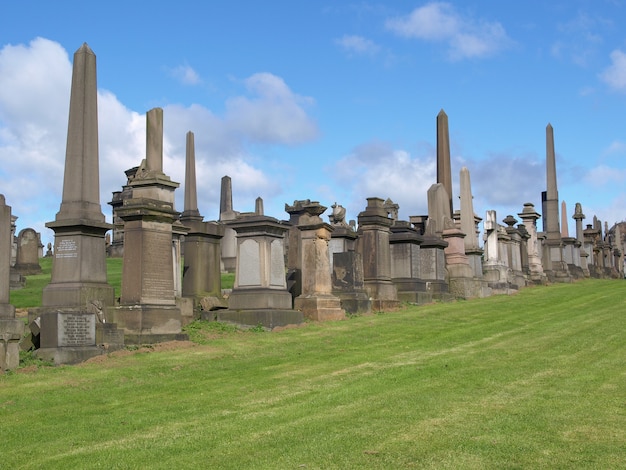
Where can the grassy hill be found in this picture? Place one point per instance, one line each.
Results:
(534, 380)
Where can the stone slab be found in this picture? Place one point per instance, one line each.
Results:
(268, 318)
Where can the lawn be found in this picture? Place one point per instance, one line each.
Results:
(534, 380)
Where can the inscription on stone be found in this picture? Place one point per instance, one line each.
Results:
(66, 248)
(158, 284)
(76, 329)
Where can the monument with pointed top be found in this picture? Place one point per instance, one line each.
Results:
(148, 311)
(78, 292)
(554, 264)
(444, 171)
(201, 271)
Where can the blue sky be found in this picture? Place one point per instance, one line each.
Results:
(330, 101)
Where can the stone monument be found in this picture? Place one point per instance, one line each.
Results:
(78, 291)
(373, 245)
(535, 269)
(11, 328)
(27, 259)
(554, 265)
(315, 300)
(227, 214)
(259, 295)
(201, 271)
(584, 255)
(148, 312)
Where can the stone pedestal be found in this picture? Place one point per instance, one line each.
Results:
(348, 284)
(404, 244)
(373, 244)
(461, 282)
(316, 301)
(433, 267)
(11, 331)
(259, 296)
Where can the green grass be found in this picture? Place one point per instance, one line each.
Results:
(534, 380)
(30, 295)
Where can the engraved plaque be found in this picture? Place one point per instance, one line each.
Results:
(75, 329)
(277, 275)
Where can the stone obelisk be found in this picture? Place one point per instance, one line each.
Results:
(229, 242)
(469, 220)
(79, 266)
(78, 293)
(554, 264)
(11, 328)
(148, 311)
(444, 171)
(201, 271)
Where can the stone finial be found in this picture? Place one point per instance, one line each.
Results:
(258, 206)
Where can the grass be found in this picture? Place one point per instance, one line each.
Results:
(534, 380)
(30, 295)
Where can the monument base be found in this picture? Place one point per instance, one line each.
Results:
(439, 291)
(11, 331)
(267, 318)
(62, 294)
(69, 355)
(412, 290)
(259, 299)
(147, 324)
(354, 303)
(320, 307)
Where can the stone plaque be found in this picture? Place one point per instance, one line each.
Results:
(249, 267)
(75, 329)
(277, 274)
(66, 248)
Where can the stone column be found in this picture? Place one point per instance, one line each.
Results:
(11, 329)
(316, 300)
(79, 265)
(148, 312)
(529, 217)
(468, 225)
(554, 263)
(514, 252)
(201, 271)
(373, 244)
(580, 236)
(78, 292)
(227, 214)
(444, 172)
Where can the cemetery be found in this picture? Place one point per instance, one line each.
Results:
(308, 266)
(286, 271)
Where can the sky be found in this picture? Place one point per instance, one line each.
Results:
(332, 101)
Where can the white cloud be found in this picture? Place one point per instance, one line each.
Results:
(603, 175)
(440, 22)
(376, 169)
(186, 75)
(357, 45)
(273, 115)
(34, 102)
(615, 74)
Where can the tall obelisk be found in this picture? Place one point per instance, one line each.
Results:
(444, 171)
(79, 274)
(202, 273)
(553, 260)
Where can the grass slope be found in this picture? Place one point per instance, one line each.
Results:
(535, 380)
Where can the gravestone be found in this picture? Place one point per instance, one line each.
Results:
(571, 247)
(554, 265)
(584, 253)
(259, 295)
(535, 269)
(11, 328)
(78, 291)
(27, 259)
(148, 311)
(373, 245)
(346, 265)
(316, 300)
(116, 248)
(201, 271)
(495, 267)
(404, 243)
(469, 223)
